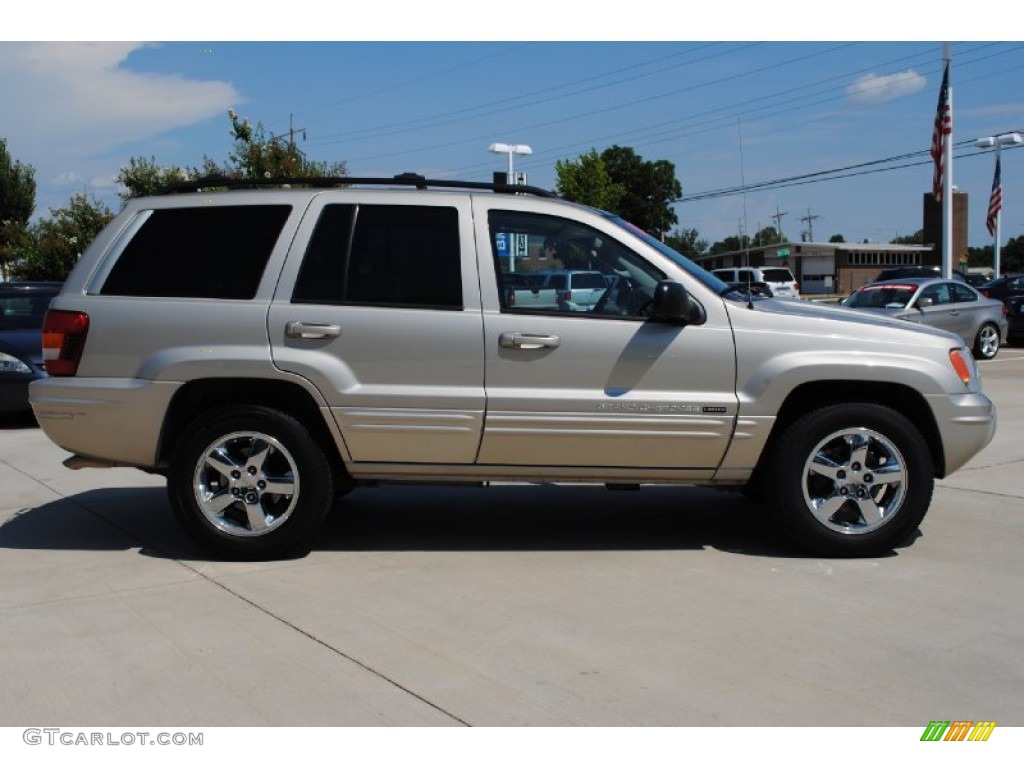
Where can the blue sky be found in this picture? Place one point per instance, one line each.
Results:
(723, 112)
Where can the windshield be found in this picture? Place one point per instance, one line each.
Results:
(23, 311)
(711, 281)
(882, 297)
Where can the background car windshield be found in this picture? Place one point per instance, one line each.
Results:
(882, 297)
(777, 275)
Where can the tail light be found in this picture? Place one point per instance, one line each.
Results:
(796, 286)
(985, 293)
(510, 297)
(64, 335)
(567, 296)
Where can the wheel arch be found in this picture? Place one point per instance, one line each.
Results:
(819, 394)
(196, 397)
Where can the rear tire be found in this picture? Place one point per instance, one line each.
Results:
(851, 480)
(250, 483)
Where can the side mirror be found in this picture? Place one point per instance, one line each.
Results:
(924, 302)
(672, 304)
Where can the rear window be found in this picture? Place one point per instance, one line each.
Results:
(24, 310)
(777, 275)
(214, 252)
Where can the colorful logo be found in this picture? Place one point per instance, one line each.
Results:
(958, 730)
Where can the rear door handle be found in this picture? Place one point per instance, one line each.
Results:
(517, 340)
(299, 330)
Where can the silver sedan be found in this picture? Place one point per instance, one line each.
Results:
(947, 304)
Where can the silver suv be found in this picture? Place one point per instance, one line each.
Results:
(270, 349)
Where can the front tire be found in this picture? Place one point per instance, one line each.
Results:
(851, 480)
(986, 345)
(250, 483)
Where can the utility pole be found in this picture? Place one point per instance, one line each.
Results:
(291, 133)
(810, 224)
(778, 222)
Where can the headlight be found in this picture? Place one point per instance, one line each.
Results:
(9, 364)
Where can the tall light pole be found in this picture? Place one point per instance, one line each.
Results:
(998, 142)
(510, 150)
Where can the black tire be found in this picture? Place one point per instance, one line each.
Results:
(250, 483)
(851, 480)
(986, 343)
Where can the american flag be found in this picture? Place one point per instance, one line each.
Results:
(995, 201)
(943, 127)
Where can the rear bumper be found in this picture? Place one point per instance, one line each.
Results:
(113, 420)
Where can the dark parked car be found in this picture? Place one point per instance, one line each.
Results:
(945, 304)
(1004, 287)
(1015, 319)
(22, 308)
(976, 280)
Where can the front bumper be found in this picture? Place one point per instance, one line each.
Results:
(967, 423)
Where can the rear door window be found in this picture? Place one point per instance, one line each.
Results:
(383, 255)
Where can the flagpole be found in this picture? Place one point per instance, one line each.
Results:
(999, 217)
(947, 177)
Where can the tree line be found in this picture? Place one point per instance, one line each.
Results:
(617, 180)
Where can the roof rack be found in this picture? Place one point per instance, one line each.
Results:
(325, 182)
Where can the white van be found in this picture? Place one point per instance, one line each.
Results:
(779, 279)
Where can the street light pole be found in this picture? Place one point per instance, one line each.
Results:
(510, 150)
(998, 142)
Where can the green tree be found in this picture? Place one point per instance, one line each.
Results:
(253, 156)
(257, 157)
(1011, 256)
(731, 243)
(837, 239)
(650, 189)
(58, 242)
(585, 180)
(766, 236)
(915, 239)
(143, 177)
(17, 202)
(687, 242)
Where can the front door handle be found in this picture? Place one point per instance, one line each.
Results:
(516, 340)
(299, 330)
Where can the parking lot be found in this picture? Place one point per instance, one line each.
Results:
(509, 605)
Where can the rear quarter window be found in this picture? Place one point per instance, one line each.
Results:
(214, 252)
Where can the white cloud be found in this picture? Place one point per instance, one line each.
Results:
(876, 89)
(80, 96)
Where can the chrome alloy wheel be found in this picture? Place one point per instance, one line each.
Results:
(854, 481)
(988, 341)
(246, 484)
